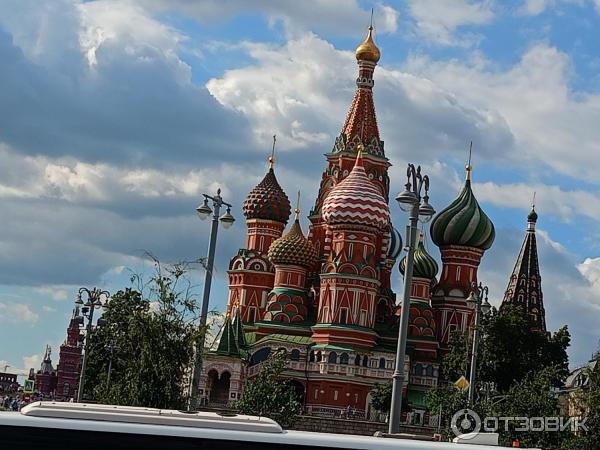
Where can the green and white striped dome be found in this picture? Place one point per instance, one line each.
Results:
(463, 223)
(424, 264)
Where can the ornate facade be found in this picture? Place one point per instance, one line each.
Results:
(325, 297)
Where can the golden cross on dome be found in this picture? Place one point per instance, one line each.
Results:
(272, 157)
(533, 201)
(468, 167)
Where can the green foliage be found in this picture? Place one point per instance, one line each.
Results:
(148, 342)
(519, 369)
(454, 364)
(509, 350)
(382, 397)
(269, 396)
(532, 397)
(588, 404)
(446, 400)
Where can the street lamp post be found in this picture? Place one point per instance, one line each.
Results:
(94, 299)
(419, 209)
(477, 300)
(227, 221)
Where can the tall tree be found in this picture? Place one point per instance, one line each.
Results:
(269, 395)
(510, 349)
(147, 343)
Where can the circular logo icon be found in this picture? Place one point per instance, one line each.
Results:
(465, 421)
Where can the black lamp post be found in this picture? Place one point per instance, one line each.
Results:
(477, 300)
(88, 301)
(419, 209)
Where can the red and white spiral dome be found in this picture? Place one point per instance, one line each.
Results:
(356, 200)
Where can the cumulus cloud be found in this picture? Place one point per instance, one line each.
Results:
(31, 362)
(123, 62)
(302, 90)
(438, 20)
(549, 198)
(552, 124)
(17, 313)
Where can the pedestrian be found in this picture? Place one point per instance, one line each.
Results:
(14, 405)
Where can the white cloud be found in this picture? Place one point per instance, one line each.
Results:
(302, 91)
(17, 313)
(344, 17)
(552, 124)
(534, 7)
(439, 20)
(32, 361)
(54, 292)
(550, 199)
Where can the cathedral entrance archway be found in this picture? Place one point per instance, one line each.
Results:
(219, 386)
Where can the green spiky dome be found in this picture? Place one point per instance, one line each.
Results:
(463, 223)
(424, 265)
(293, 248)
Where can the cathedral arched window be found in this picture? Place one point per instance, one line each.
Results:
(365, 361)
(429, 371)
(332, 358)
(357, 360)
(311, 357)
(418, 370)
(344, 358)
(295, 355)
(382, 363)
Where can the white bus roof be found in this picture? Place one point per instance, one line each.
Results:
(200, 425)
(151, 416)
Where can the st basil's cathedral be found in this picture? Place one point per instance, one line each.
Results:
(325, 296)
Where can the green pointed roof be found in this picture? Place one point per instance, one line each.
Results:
(226, 342)
(238, 329)
(463, 222)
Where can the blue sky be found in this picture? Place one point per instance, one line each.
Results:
(117, 115)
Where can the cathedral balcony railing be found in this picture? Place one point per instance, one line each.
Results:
(335, 413)
(423, 380)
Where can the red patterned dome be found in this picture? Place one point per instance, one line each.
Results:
(267, 201)
(356, 200)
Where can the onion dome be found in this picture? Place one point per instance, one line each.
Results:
(293, 248)
(463, 222)
(267, 200)
(367, 50)
(532, 216)
(424, 265)
(356, 200)
(395, 246)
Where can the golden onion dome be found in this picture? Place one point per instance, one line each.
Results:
(293, 248)
(367, 50)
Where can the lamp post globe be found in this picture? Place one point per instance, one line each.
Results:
(406, 199)
(203, 210)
